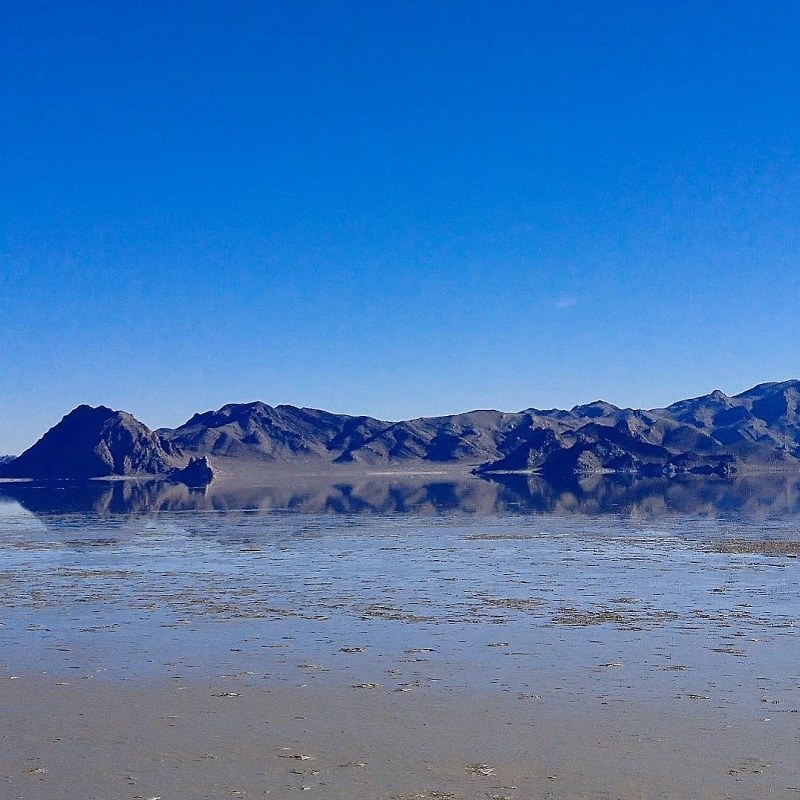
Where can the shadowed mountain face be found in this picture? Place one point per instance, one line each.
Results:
(94, 442)
(759, 428)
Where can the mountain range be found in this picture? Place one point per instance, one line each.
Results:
(756, 430)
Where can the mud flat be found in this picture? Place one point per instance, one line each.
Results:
(203, 654)
(244, 738)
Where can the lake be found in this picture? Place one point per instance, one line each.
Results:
(396, 637)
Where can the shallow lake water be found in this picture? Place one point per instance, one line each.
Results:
(679, 600)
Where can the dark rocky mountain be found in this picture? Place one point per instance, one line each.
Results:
(715, 433)
(755, 430)
(6, 458)
(94, 442)
(256, 431)
(281, 433)
(473, 437)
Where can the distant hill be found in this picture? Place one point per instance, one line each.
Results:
(756, 430)
(286, 433)
(95, 442)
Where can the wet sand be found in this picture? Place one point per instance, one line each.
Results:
(249, 654)
(96, 739)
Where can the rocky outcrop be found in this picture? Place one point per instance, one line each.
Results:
(197, 473)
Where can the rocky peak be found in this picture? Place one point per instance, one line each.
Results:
(92, 442)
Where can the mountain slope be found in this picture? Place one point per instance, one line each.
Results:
(94, 442)
(280, 433)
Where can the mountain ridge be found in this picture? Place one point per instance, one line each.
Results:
(710, 434)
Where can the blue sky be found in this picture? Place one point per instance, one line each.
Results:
(394, 208)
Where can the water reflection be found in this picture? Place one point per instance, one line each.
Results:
(758, 496)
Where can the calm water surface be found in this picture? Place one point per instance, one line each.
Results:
(619, 591)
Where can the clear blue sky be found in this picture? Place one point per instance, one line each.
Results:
(394, 208)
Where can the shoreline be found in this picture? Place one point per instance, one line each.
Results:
(248, 474)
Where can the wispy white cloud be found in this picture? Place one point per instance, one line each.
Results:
(567, 301)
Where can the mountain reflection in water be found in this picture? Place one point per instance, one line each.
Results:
(757, 496)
